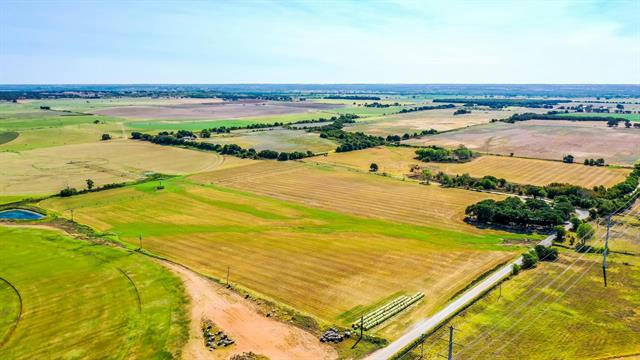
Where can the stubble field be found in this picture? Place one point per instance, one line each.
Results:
(547, 140)
(318, 261)
(399, 160)
(49, 170)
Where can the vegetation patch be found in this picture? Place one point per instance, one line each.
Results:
(8, 136)
(78, 303)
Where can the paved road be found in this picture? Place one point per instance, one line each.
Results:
(453, 308)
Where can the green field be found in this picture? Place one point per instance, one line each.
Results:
(81, 300)
(632, 117)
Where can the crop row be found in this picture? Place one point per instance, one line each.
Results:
(388, 310)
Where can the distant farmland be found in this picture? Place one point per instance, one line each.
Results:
(547, 139)
(277, 139)
(398, 161)
(49, 170)
(441, 120)
(315, 260)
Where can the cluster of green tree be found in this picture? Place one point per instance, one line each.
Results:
(554, 115)
(461, 112)
(501, 103)
(349, 141)
(105, 137)
(514, 212)
(440, 154)
(594, 162)
(627, 123)
(426, 107)
(380, 105)
(165, 138)
(539, 253)
(407, 136)
(352, 97)
(568, 159)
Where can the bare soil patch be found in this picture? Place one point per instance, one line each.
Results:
(252, 331)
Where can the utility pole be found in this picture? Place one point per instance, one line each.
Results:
(228, 269)
(500, 295)
(361, 330)
(605, 252)
(450, 357)
(140, 239)
(71, 214)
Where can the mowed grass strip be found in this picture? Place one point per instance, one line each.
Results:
(398, 161)
(321, 262)
(77, 303)
(352, 192)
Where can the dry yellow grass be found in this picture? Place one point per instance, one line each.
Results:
(327, 264)
(398, 161)
(352, 192)
(48, 170)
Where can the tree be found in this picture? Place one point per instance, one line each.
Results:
(568, 159)
(373, 167)
(561, 232)
(426, 176)
(575, 222)
(205, 133)
(535, 191)
(585, 233)
(68, 192)
(515, 270)
(529, 259)
(89, 184)
(105, 137)
(283, 156)
(627, 124)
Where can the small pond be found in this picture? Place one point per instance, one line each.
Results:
(20, 214)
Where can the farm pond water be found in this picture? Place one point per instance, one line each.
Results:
(20, 214)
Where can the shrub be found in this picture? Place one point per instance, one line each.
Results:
(529, 259)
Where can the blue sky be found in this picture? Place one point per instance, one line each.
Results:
(319, 42)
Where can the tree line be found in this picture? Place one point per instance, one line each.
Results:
(555, 115)
(439, 154)
(165, 138)
(501, 103)
(426, 107)
(600, 201)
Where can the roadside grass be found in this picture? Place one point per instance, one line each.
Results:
(320, 262)
(77, 302)
(534, 316)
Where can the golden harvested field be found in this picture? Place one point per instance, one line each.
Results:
(352, 192)
(545, 139)
(331, 265)
(441, 120)
(535, 172)
(398, 161)
(48, 170)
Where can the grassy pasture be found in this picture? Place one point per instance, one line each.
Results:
(8, 136)
(196, 125)
(46, 171)
(327, 272)
(398, 161)
(275, 139)
(546, 139)
(78, 303)
(631, 117)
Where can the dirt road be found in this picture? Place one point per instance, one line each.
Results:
(240, 319)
